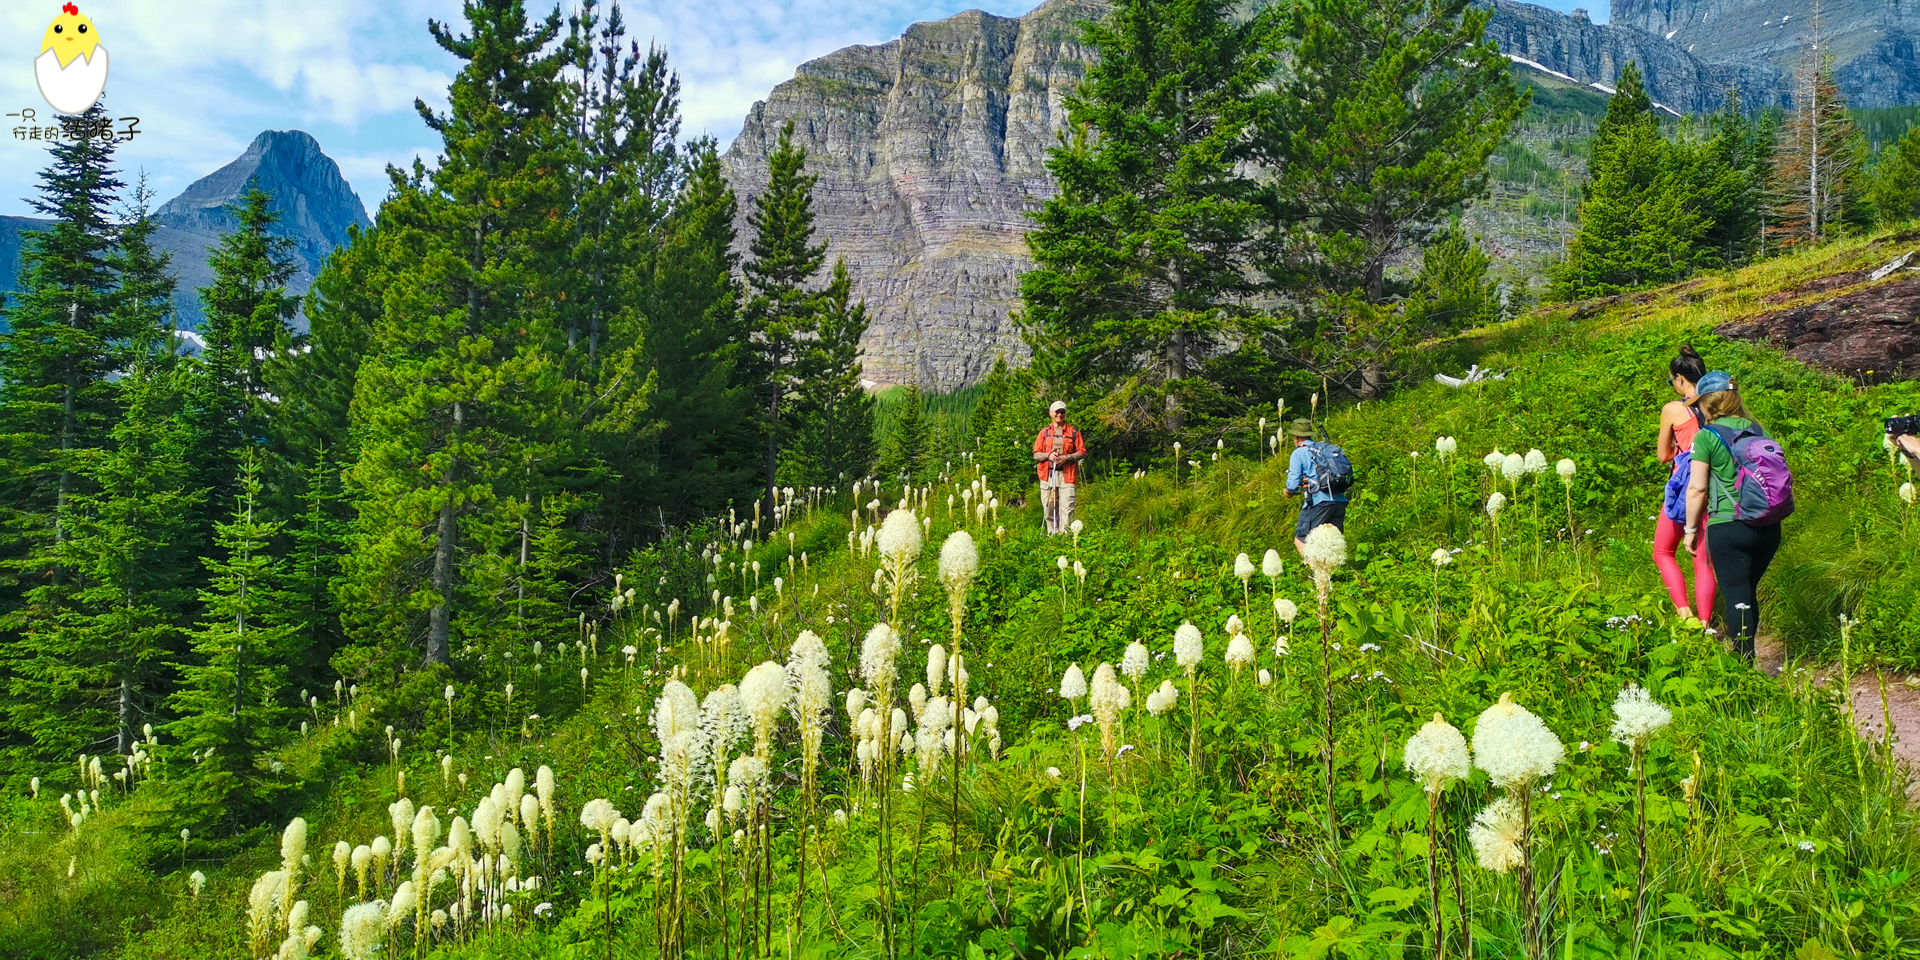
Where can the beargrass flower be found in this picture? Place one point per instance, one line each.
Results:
(1239, 652)
(1325, 552)
(1286, 610)
(1496, 835)
(1134, 662)
(1440, 557)
(362, 930)
(1907, 493)
(1073, 684)
(1535, 461)
(1496, 503)
(1445, 446)
(1494, 460)
(1270, 564)
(960, 561)
(1513, 466)
(1437, 755)
(1565, 468)
(1163, 699)
(1243, 567)
(1637, 717)
(1513, 746)
(1188, 647)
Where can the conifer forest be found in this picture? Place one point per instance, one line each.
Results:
(547, 582)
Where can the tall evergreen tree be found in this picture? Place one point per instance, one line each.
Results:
(235, 699)
(904, 454)
(58, 401)
(90, 673)
(1895, 181)
(1382, 127)
(833, 413)
(783, 312)
(316, 383)
(1144, 259)
(464, 386)
(1453, 290)
(1814, 188)
(1641, 223)
(1731, 169)
(705, 454)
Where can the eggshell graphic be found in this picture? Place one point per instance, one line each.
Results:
(74, 88)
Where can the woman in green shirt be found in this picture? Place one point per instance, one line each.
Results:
(1740, 552)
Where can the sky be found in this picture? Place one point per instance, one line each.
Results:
(206, 76)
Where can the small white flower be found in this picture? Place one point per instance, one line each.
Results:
(1565, 468)
(1440, 557)
(1806, 846)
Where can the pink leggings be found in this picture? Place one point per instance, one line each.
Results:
(1666, 539)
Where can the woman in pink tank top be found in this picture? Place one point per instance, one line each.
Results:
(1678, 423)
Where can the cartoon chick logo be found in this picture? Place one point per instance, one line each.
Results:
(72, 66)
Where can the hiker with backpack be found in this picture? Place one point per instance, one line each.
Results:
(1741, 489)
(1680, 420)
(1322, 472)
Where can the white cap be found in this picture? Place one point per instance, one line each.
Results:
(1057, 405)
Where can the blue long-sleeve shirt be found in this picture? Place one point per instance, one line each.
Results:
(1299, 469)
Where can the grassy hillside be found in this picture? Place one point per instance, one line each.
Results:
(1203, 828)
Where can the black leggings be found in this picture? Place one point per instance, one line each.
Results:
(1740, 557)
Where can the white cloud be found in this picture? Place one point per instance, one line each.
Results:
(206, 76)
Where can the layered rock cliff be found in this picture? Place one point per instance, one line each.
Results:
(1872, 42)
(931, 148)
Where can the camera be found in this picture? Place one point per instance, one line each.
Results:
(1903, 425)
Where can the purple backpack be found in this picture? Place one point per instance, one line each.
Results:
(1762, 484)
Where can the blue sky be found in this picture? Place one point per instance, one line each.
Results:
(205, 76)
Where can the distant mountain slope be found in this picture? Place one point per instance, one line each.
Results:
(315, 204)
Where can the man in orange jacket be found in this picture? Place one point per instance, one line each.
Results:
(1057, 453)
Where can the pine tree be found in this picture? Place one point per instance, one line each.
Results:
(235, 699)
(833, 414)
(464, 387)
(1005, 423)
(65, 338)
(1642, 222)
(782, 312)
(1453, 290)
(1731, 174)
(904, 455)
(318, 535)
(1895, 183)
(1816, 166)
(316, 383)
(1382, 127)
(704, 457)
(89, 673)
(1144, 259)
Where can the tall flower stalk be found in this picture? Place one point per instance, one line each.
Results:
(1516, 750)
(1636, 719)
(812, 698)
(1325, 552)
(1188, 648)
(1437, 756)
(959, 564)
(878, 668)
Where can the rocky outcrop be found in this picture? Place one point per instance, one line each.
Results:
(1870, 333)
(1575, 46)
(931, 151)
(315, 204)
(1872, 42)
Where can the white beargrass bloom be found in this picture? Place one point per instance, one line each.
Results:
(197, 881)
(1162, 699)
(1270, 564)
(405, 899)
(1326, 551)
(1266, 677)
(1134, 663)
(877, 657)
(598, 815)
(936, 666)
(1496, 836)
(263, 906)
(856, 702)
(1513, 746)
(1536, 461)
(1437, 755)
(1445, 446)
(1513, 466)
(1496, 503)
(1637, 717)
(917, 699)
(1243, 567)
(1073, 684)
(1188, 647)
(900, 538)
(1109, 699)
(361, 934)
(1239, 652)
(1440, 557)
(1285, 609)
(1907, 493)
(1565, 468)
(960, 561)
(749, 773)
(763, 694)
(1494, 460)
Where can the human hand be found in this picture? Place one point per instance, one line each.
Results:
(1691, 540)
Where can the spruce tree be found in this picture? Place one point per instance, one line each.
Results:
(462, 403)
(1642, 222)
(1453, 290)
(903, 456)
(782, 312)
(316, 383)
(88, 673)
(1731, 169)
(833, 415)
(65, 338)
(705, 454)
(1382, 127)
(1895, 180)
(235, 697)
(1145, 257)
